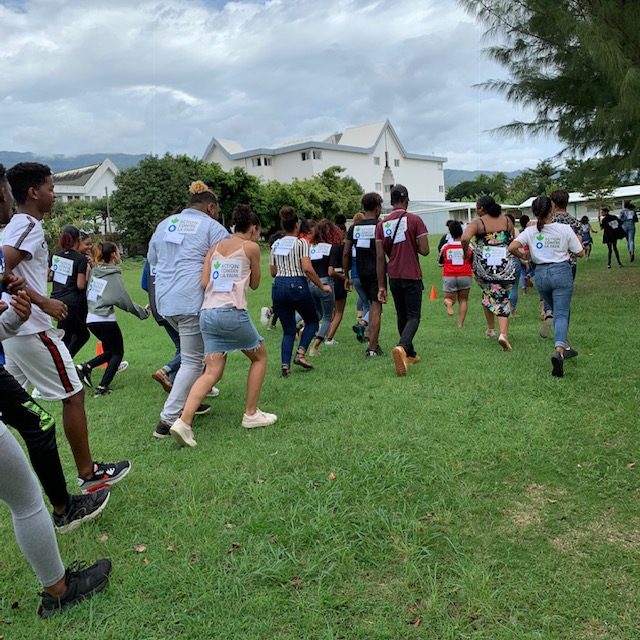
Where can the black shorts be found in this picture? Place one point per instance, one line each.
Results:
(370, 286)
(338, 289)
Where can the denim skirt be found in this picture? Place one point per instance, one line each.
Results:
(228, 329)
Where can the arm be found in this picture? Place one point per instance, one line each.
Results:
(423, 245)
(54, 308)
(206, 270)
(468, 233)
(516, 249)
(123, 299)
(253, 253)
(310, 272)
(11, 318)
(381, 269)
(346, 258)
(81, 281)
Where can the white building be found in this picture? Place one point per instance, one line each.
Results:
(86, 183)
(372, 154)
(581, 205)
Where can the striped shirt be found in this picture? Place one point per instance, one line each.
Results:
(290, 266)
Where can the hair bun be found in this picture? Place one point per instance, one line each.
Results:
(198, 187)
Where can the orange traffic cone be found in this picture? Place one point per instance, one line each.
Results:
(433, 295)
(100, 351)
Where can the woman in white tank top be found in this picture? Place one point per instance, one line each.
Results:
(230, 268)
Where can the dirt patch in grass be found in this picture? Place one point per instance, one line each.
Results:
(593, 630)
(598, 532)
(528, 512)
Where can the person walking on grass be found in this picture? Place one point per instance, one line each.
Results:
(360, 328)
(290, 267)
(177, 252)
(106, 291)
(551, 245)
(457, 276)
(493, 268)
(585, 236)
(339, 282)
(326, 255)
(361, 239)
(612, 231)
(37, 355)
(230, 268)
(629, 219)
(35, 425)
(70, 276)
(402, 237)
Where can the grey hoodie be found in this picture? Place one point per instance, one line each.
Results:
(114, 294)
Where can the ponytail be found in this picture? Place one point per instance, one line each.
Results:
(103, 252)
(540, 208)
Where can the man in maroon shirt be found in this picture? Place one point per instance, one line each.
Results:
(401, 237)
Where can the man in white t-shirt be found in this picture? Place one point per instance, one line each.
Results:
(37, 354)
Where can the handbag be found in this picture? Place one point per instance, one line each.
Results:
(494, 263)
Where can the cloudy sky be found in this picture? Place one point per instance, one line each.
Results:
(166, 75)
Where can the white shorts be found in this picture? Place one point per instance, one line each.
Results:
(43, 360)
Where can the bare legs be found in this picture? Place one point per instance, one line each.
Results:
(74, 420)
(337, 318)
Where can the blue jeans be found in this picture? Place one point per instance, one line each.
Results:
(174, 364)
(548, 309)
(291, 294)
(363, 302)
(325, 304)
(630, 230)
(555, 285)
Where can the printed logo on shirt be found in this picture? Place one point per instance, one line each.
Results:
(173, 224)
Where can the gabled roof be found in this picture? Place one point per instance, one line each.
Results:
(84, 176)
(75, 177)
(362, 139)
(632, 191)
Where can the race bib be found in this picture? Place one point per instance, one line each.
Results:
(364, 232)
(283, 246)
(96, 288)
(224, 272)
(389, 228)
(318, 251)
(456, 256)
(188, 225)
(364, 243)
(494, 256)
(613, 224)
(61, 265)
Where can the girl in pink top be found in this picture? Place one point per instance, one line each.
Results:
(230, 268)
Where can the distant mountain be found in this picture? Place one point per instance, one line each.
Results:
(452, 177)
(62, 163)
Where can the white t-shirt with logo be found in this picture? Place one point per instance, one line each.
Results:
(552, 244)
(26, 234)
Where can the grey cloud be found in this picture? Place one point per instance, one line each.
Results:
(166, 76)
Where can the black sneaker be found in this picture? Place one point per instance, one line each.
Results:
(81, 583)
(84, 373)
(202, 409)
(570, 353)
(373, 353)
(81, 509)
(358, 329)
(557, 362)
(101, 391)
(104, 474)
(162, 430)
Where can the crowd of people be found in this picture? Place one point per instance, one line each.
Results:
(198, 274)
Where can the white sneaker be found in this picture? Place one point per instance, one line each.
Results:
(36, 394)
(182, 434)
(258, 419)
(265, 314)
(214, 393)
(330, 341)
(123, 366)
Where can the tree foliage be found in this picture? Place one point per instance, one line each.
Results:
(158, 186)
(87, 215)
(577, 64)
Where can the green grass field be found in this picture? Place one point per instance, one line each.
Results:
(477, 498)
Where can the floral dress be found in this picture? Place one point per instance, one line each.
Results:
(495, 295)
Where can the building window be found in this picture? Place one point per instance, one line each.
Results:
(267, 162)
(376, 160)
(387, 188)
(317, 155)
(378, 186)
(441, 188)
(305, 155)
(440, 166)
(396, 163)
(256, 162)
(94, 197)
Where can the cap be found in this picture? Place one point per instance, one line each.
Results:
(398, 192)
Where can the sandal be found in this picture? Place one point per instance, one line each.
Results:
(301, 361)
(504, 343)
